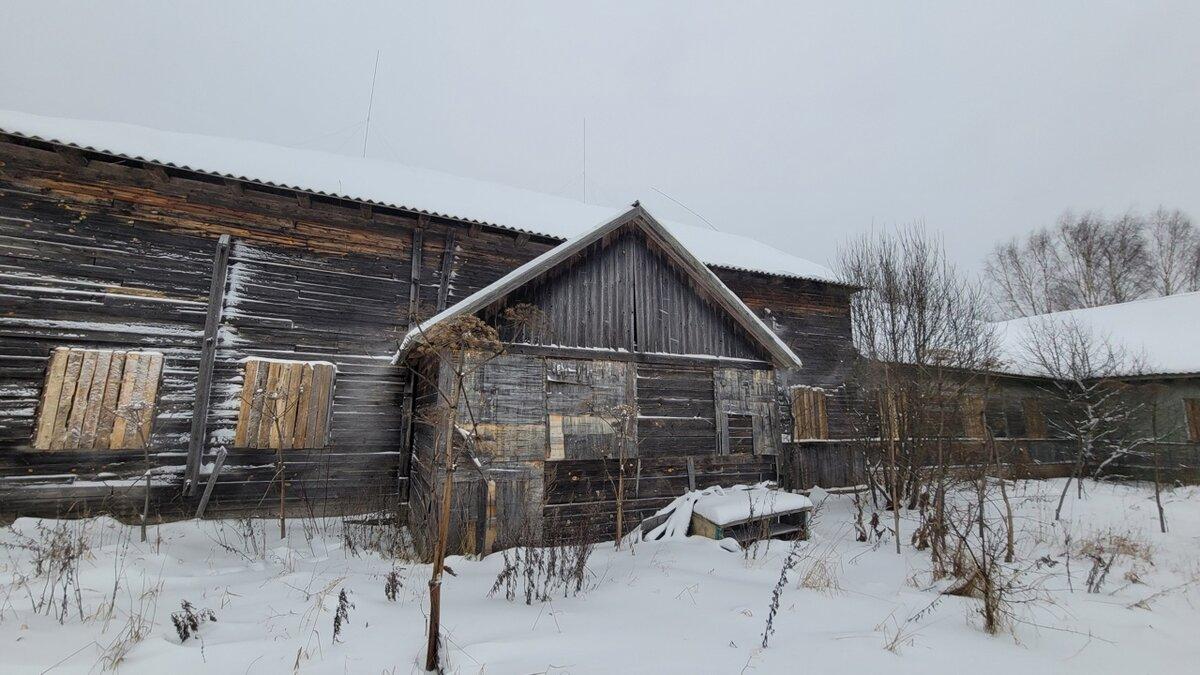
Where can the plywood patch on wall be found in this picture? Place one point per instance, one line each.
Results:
(285, 404)
(98, 399)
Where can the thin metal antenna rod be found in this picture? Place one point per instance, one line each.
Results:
(370, 104)
(585, 194)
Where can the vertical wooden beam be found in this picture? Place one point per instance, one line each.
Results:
(414, 290)
(631, 284)
(407, 410)
(489, 518)
(447, 265)
(208, 350)
(414, 276)
(719, 415)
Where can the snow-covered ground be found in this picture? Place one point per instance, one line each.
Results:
(682, 605)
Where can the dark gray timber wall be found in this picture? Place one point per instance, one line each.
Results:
(105, 254)
(623, 295)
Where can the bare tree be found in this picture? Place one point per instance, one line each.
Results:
(1025, 276)
(1096, 408)
(1087, 260)
(1175, 252)
(921, 327)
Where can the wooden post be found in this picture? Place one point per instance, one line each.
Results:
(719, 415)
(208, 349)
(414, 290)
(489, 519)
(447, 266)
(414, 279)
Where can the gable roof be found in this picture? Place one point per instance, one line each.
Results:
(387, 184)
(638, 217)
(1161, 332)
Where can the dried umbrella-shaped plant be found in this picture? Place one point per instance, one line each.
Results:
(450, 341)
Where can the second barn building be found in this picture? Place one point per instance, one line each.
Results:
(620, 367)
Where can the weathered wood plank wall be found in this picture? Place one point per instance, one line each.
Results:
(106, 253)
(621, 294)
(581, 495)
(814, 320)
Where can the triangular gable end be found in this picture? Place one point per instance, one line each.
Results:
(719, 303)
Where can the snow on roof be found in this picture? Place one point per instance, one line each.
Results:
(728, 507)
(388, 184)
(546, 261)
(1163, 332)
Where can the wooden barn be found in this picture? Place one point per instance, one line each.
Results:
(166, 298)
(637, 351)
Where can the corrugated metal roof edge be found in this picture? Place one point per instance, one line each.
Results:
(362, 200)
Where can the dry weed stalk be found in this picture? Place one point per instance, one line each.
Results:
(450, 341)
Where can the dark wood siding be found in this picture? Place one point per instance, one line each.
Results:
(676, 410)
(107, 255)
(813, 318)
(580, 495)
(673, 318)
(621, 294)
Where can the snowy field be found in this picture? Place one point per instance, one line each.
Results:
(683, 605)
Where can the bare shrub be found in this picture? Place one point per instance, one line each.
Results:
(978, 564)
(138, 626)
(1118, 543)
(341, 616)
(538, 573)
(789, 563)
(188, 620)
(896, 634)
(1097, 407)
(921, 326)
(55, 552)
(1105, 549)
(392, 585)
(819, 569)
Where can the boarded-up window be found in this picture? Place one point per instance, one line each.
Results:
(973, 417)
(588, 408)
(808, 411)
(1191, 411)
(741, 434)
(285, 404)
(98, 399)
(1035, 418)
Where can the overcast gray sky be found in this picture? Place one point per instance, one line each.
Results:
(798, 123)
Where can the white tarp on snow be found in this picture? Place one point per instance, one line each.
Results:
(389, 184)
(726, 507)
